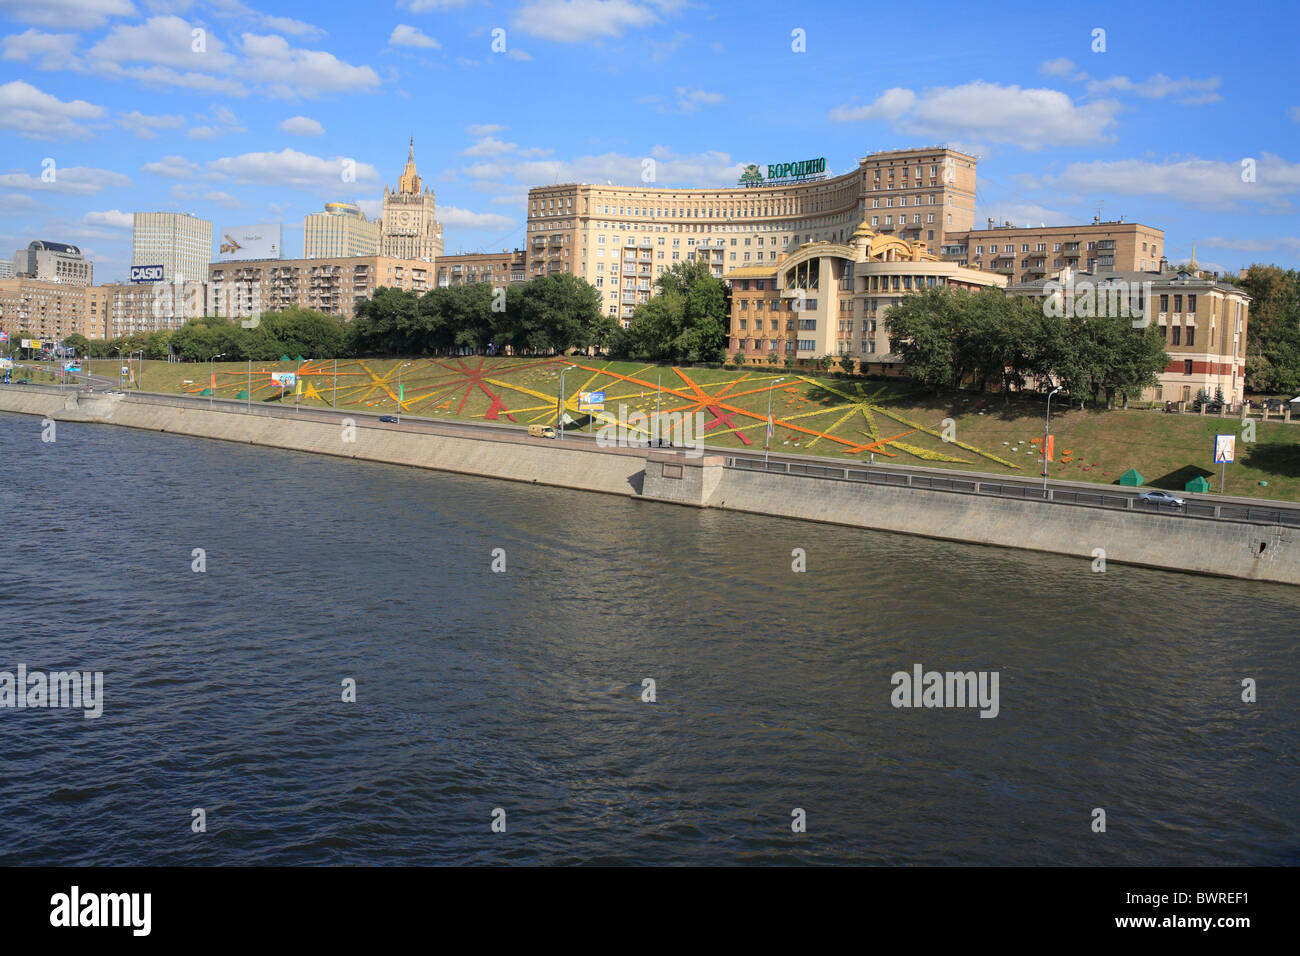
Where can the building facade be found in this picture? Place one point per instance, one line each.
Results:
(599, 232)
(831, 298)
(177, 241)
(1028, 254)
(499, 268)
(138, 308)
(331, 286)
(1203, 322)
(50, 311)
(409, 228)
(341, 231)
(53, 262)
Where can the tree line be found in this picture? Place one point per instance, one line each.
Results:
(950, 338)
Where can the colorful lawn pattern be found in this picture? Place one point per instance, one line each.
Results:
(843, 417)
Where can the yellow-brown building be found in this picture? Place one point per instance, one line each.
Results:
(499, 268)
(50, 311)
(831, 298)
(619, 238)
(331, 286)
(1028, 253)
(409, 228)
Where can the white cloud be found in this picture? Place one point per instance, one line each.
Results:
(490, 146)
(514, 53)
(172, 167)
(1254, 244)
(1196, 181)
(73, 180)
(1021, 214)
(889, 105)
(982, 111)
(235, 9)
(455, 218)
(112, 218)
(424, 6)
(77, 14)
(39, 115)
(1058, 67)
(483, 129)
(292, 168)
(165, 41)
(49, 51)
(292, 72)
(574, 21)
(302, 126)
(404, 35)
(1159, 86)
(1294, 113)
(690, 101)
(146, 127)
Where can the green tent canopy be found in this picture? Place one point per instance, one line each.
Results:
(300, 359)
(1133, 478)
(285, 358)
(1199, 484)
(206, 391)
(243, 393)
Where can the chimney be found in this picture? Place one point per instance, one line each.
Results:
(990, 222)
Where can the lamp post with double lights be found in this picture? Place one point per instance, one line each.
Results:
(1047, 431)
(400, 394)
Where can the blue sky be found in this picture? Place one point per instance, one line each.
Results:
(249, 114)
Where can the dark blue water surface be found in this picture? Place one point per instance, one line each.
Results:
(522, 690)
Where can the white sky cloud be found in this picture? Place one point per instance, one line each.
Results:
(1195, 181)
(146, 127)
(73, 180)
(302, 126)
(47, 51)
(575, 21)
(112, 218)
(289, 167)
(405, 35)
(172, 167)
(454, 218)
(77, 14)
(39, 115)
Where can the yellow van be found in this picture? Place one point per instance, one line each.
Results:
(541, 431)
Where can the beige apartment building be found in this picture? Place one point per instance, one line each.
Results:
(619, 238)
(46, 310)
(831, 298)
(138, 308)
(53, 262)
(331, 286)
(177, 241)
(1204, 323)
(341, 231)
(1028, 254)
(499, 268)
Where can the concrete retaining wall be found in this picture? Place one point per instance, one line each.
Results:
(1226, 548)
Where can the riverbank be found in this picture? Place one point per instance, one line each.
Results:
(1207, 546)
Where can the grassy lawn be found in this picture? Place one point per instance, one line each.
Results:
(846, 418)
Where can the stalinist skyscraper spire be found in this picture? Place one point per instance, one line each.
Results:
(410, 228)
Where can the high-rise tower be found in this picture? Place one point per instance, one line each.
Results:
(409, 228)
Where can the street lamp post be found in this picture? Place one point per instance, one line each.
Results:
(1047, 431)
(400, 395)
(559, 414)
(767, 445)
(140, 368)
(212, 376)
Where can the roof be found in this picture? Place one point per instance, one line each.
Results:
(54, 246)
(753, 272)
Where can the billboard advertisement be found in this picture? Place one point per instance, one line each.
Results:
(591, 401)
(1225, 449)
(237, 243)
(146, 273)
(283, 379)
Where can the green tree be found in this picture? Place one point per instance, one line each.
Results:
(685, 321)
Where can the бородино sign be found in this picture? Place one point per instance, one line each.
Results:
(781, 173)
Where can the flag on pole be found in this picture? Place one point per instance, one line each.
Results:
(769, 427)
(299, 387)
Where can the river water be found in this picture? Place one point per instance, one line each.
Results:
(522, 690)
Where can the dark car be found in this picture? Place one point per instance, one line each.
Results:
(388, 418)
(23, 381)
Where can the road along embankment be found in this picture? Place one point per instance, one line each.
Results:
(1264, 552)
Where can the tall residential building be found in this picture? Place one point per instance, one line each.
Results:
(1027, 254)
(409, 228)
(333, 286)
(341, 231)
(831, 298)
(177, 241)
(49, 310)
(499, 268)
(53, 262)
(619, 238)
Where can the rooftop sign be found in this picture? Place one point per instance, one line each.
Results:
(781, 174)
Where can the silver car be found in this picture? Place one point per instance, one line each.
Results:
(1161, 498)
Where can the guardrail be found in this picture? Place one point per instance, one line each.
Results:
(1109, 500)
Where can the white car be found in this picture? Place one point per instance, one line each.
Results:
(1161, 498)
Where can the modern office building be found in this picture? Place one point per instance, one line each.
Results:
(831, 298)
(619, 238)
(499, 268)
(332, 286)
(341, 231)
(1028, 253)
(177, 241)
(1203, 321)
(53, 262)
(409, 228)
